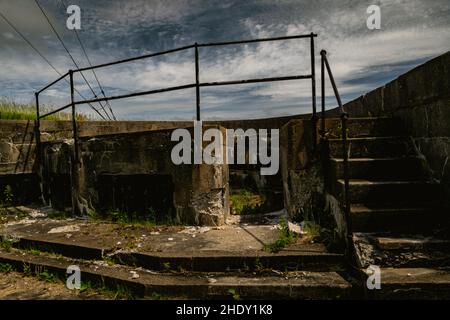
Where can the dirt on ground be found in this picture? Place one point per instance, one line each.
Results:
(16, 286)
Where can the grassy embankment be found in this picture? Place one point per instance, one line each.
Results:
(11, 110)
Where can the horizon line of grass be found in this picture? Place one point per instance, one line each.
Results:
(12, 110)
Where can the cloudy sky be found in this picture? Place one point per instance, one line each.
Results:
(412, 32)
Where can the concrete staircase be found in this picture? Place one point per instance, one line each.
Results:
(214, 264)
(397, 220)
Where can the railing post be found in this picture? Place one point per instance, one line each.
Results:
(344, 118)
(39, 155)
(322, 80)
(313, 85)
(37, 128)
(197, 83)
(75, 162)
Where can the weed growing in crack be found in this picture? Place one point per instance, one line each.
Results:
(6, 268)
(285, 238)
(234, 294)
(5, 244)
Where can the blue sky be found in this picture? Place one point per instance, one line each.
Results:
(411, 32)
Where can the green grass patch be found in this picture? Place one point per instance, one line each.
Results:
(12, 110)
(59, 215)
(5, 244)
(326, 235)
(285, 238)
(146, 219)
(247, 202)
(47, 276)
(6, 268)
(234, 294)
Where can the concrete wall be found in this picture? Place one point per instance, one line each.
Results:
(17, 146)
(300, 169)
(199, 195)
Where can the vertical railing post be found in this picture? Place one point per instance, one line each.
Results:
(75, 162)
(74, 118)
(197, 83)
(37, 127)
(322, 80)
(313, 85)
(39, 154)
(344, 118)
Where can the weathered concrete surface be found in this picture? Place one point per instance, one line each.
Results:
(301, 172)
(17, 148)
(199, 195)
(288, 285)
(214, 251)
(420, 100)
(413, 283)
(233, 246)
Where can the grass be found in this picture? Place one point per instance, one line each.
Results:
(5, 244)
(27, 270)
(6, 197)
(12, 110)
(47, 276)
(247, 202)
(326, 235)
(59, 215)
(6, 268)
(234, 294)
(134, 219)
(285, 238)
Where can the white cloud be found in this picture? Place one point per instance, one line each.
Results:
(353, 51)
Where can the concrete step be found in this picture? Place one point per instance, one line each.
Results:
(373, 147)
(288, 259)
(402, 250)
(413, 283)
(363, 127)
(389, 218)
(288, 285)
(411, 243)
(389, 191)
(405, 168)
(294, 257)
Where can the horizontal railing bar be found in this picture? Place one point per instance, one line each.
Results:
(52, 83)
(193, 46)
(137, 94)
(187, 86)
(257, 40)
(134, 59)
(226, 83)
(55, 111)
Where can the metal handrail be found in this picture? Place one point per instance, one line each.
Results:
(197, 85)
(344, 118)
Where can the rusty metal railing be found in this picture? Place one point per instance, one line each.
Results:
(325, 66)
(197, 85)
